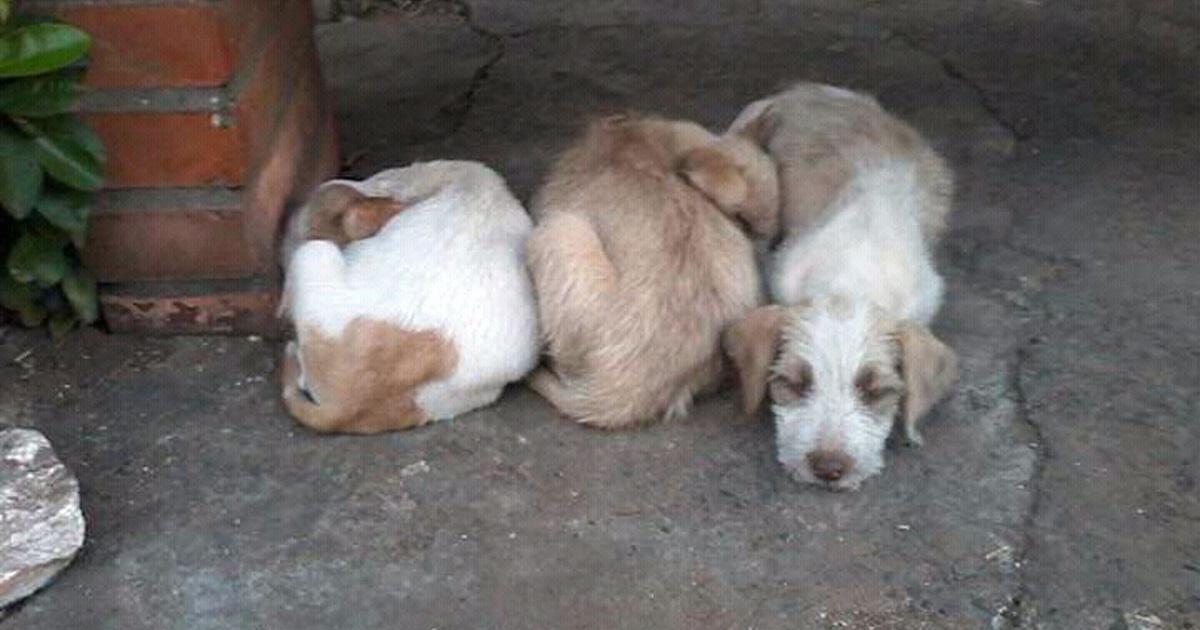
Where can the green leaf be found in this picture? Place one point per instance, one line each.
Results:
(41, 48)
(45, 95)
(20, 174)
(69, 151)
(21, 299)
(80, 288)
(38, 257)
(25, 19)
(66, 209)
(61, 324)
(5, 10)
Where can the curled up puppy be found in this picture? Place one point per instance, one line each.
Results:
(428, 318)
(639, 260)
(846, 351)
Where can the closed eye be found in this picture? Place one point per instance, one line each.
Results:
(871, 388)
(792, 385)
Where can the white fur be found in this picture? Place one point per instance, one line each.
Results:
(871, 249)
(453, 262)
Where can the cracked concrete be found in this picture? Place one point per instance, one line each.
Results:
(1058, 487)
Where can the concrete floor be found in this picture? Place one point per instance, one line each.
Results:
(1058, 487)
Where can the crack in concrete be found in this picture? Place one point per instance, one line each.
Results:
(1018, 131)
(458, 109)
(1019, 613)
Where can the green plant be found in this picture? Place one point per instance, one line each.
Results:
(50, 168)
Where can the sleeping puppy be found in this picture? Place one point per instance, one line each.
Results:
(847, 351)
(639, 262)
(427, 319)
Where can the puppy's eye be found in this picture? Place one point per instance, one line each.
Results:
(870, 387)
(792, 384)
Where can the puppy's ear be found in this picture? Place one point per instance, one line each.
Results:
(367, 216)
(713, 172)
(760, 126)
(929, 368)
(325, 211)
(751, 343)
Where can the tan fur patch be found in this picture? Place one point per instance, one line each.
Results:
(715, 175)
(364, 218)
(364, 380)
(341, 214)
(752, 342)
(816, 138)
(929, 368)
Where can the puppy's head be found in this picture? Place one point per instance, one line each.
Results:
(740, 178)
(341, 214)
(839, 376)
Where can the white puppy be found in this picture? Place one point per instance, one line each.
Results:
(429, 318)
(864, 199)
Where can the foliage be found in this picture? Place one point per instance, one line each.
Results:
(50, 167)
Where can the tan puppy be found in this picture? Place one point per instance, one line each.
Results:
(639, 261)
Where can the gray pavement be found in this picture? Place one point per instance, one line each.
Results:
(1057, 488)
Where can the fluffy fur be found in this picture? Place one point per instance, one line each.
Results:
(864, 201)
(427, 319)
(639, 263)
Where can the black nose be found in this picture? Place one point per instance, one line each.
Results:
(829, 465)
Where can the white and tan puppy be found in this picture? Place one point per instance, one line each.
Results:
(427, 319)
(640, 261)
(848, 351)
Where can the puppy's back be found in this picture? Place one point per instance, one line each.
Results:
(636, 272)
(823, 137)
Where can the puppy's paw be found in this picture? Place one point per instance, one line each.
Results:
(912, 437)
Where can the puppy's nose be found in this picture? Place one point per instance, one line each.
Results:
(829, 465)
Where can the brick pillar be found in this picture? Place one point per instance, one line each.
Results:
(215, 120)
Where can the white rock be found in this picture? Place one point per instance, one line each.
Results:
(41, 525)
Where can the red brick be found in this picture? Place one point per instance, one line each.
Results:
(141, 46)
(160, 239)
(242, 307)
(147, 149)
(168, 44)
(215, 142)
(168, 234)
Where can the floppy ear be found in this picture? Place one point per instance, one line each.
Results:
(757, 123)
(367, 216)
(711, 171)
(751, 343)
(929, 368)
(325, 211)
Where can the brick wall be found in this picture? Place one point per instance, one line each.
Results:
(215, 121)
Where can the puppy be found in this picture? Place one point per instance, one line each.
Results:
(425, 320)
(639, 262)
(847, 351)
